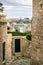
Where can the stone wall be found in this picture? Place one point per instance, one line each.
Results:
(3, 33)
(37, 33)
(8, 46)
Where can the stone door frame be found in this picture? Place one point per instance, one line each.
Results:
(13, 44)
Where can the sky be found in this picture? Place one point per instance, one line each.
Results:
(17, 8)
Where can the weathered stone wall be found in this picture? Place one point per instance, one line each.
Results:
(25, 44)
(8, 46)
(37, 33)
(3, 33)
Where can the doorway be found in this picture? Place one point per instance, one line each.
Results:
(17, 45)
(3, 51)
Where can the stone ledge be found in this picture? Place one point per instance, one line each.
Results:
(1, 23)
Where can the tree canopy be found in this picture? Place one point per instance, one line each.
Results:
(1, 7)
(1, 4)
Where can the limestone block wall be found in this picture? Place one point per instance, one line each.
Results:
(3, 33)
(3, 17)
(8, 46)
(36, 7)
(37, 33)
(25, 44)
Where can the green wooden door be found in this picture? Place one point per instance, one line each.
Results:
(17, 45)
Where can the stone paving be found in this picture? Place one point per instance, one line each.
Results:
(19, 61)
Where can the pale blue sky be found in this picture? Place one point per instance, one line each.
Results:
(18, 8)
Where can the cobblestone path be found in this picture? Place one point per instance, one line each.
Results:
(20, 61)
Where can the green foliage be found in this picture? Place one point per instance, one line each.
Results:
(1, 4)
(28, 37)
(1, 7)
(19, 34)
(17, 30)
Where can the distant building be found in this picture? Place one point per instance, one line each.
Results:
(22, 25)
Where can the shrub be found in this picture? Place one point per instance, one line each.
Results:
(19, 34)
(28, 37)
